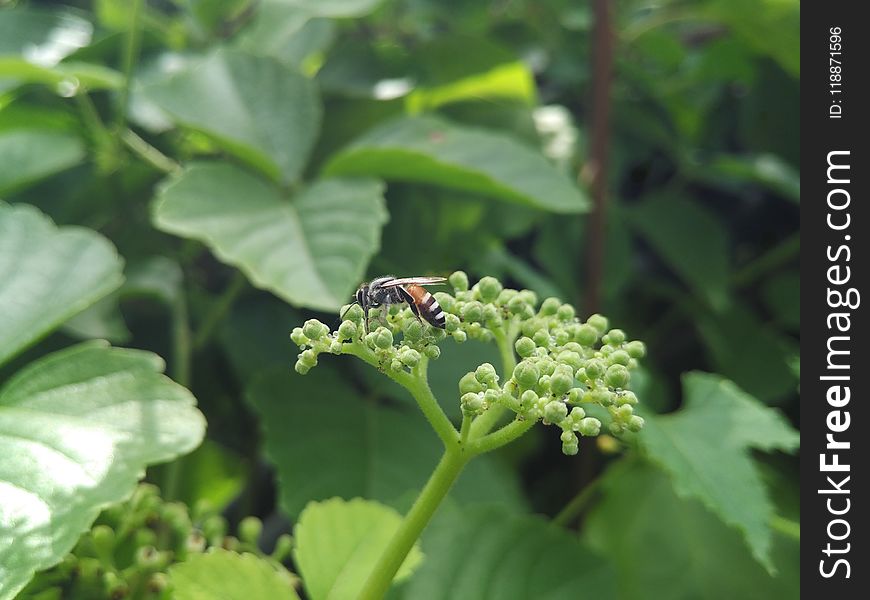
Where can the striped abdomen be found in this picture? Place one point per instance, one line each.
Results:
(427, 306)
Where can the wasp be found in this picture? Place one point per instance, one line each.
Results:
(388, 290)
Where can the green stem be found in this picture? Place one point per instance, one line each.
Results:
(149, 153)
(573, 509)
(131, 52)
(417, 384)
(91, 117)
(219, 310)
(412, 526)
(465, 429)
(500, 437)
(181, 373)
(776, 256)
(505, 342)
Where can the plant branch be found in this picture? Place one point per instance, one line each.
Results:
(442, 479)
(149, 153)
(505, 342)
(573, 509)
(131, 52)
(500, 437)
(418, 385)
(219, 310)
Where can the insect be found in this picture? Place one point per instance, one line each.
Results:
(388, 290)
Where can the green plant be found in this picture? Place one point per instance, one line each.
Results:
(566, 368)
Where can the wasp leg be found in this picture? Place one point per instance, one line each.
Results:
(413, 305)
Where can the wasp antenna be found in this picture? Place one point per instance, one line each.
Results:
(344, 312)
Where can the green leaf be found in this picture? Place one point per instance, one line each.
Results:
(47, 275)
(667, 547)
(761, 367)
(338, 544)
(767, 170)
(230, 576)
(259, 109)
(78, 427)
(67, 78)
(311, 250)
(485, 553)
(43, 37)
(330, 8)
(362, 449)
(33, 154)
(285, 33)
(430, 150)
(721, 475)
(690, 240)
(102, 320)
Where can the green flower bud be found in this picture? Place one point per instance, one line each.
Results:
(486, 374)
(472, 404)
(616, 376)
(624, 412)
(599, 396)
(432, 351)
(410, 357)
(413, 330)
(474, 331)
(616, 428)
(568, 437)
(453, 322)
(525, 346)
(505, 296)
(526, 374)
(561, 383)
(544, 384)
(590, 426)
(565, 312)
(542, 338)
(586, 334)
(469, 384)
(352, 312)
(626, 397)
(489, 288)
(573, 359)
(570, 449)
(383, 338)
(555, 411)
(561, 337)
(308, 358)
(635, 423)
(250, 529)
(490, 314)
(516, 305)
(195, 542)
(528, 399)
(460, 336)
(594, 369)
(614, 337)
(283, 548)
(575, 395)
(472, 312)
(459, 281)
(335, 347)
(301, 368)
(298, 337)
(619, 357)
(396, 365)
(577, 414)
(636, 349)
(574, 347)
(314, 329)
(529, 297)
(599, 322)
(447, 302)
(491, 396)
(550, 306)
(347, 330)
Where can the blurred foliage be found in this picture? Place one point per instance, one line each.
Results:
(253, 161)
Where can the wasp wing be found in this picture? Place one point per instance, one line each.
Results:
(413, 281)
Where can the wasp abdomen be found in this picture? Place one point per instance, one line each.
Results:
(427, 306)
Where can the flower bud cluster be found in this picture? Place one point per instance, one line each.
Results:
(132, 545)
(565, 366)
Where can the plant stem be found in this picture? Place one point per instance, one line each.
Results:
(181, 373)
(219, 310)
(465, 429)
(131, 52)
(773, 258)
(505, 342)
(573, 509)
(500, 437)
(417, 384)
(149, 153)
(415, 522)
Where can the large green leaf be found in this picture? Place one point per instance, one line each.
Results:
(705, 448)
(667, 547)
(256, 107)
(47, 275)
(338, 544)
(77, 429)
(427, 149)
(690, 240)
(44, 37)
(311, 250)
(227, 575)
(32, 154)
(361, 449)
(330, 8)
(487, 553)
